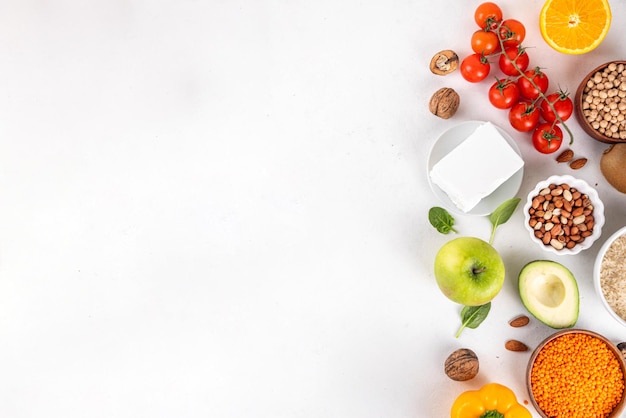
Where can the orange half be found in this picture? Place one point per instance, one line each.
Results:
(575, 26)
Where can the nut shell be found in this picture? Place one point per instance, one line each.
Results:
(461, 365)
(444, 103)
(444, 62)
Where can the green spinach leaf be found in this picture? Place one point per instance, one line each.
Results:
(473, 316)
(502, 214)
(441, 220)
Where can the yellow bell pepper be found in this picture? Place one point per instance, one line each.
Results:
(493, 400)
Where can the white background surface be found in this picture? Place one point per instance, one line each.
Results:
(219, 209)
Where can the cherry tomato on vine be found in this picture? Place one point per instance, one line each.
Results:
(561, 103)
(503, 94)
(523, 116)
(512, 32)
(487, 14)
(547, 137)
(526, 89)
(485, 42)
(475, 68)
(517, 55)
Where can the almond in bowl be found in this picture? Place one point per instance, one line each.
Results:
(564, 215)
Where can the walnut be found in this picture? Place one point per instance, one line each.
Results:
(461, 365)
(444, 103)
(444, 62)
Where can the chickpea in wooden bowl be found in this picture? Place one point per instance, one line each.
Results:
(600, 103)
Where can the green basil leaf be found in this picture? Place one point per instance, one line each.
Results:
(441, 220)
(473, 316)
(502, 214)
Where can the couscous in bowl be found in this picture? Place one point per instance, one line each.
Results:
(609, 275)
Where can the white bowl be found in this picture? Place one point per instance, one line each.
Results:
(583, 187)
(597, 268)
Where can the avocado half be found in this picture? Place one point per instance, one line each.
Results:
(549, 292)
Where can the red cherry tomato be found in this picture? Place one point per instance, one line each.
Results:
(503, 94)
(523, 116)
(517, 55)
(486, 14)
(547, 138)
(561, 103)
(475, 68)
(526, 88)
(485, 42)
(512, 32)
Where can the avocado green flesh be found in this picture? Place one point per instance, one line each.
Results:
(549, 292)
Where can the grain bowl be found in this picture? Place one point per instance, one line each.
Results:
(600, 102)
(563, 215)
(608, 275)
(576, 374)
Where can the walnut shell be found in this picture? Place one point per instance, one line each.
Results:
(444, 62)
(461, 365)
(444, 103)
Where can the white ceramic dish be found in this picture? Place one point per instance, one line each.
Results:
(596, 273)
(583, 187)
(446, 142)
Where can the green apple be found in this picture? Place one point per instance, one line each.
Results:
(469, 271)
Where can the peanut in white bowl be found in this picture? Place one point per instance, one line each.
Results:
(537, 233)
(608, 272)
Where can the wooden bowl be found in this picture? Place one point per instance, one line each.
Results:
(578, 106)
(617, 410)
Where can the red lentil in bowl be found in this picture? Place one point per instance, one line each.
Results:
(576, 374)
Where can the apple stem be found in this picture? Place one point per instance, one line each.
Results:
(480, 270)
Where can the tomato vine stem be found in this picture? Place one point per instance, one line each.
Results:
(497, 31)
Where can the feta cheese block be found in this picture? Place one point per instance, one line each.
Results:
(476, 167)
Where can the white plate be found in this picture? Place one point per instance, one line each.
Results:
(446, 143)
